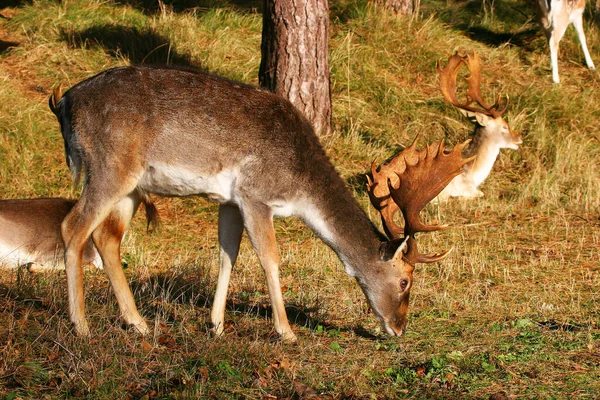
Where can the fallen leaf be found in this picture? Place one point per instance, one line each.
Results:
(303, 391)
(147, 347)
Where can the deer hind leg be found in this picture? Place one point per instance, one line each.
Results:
(560, 23)
(578, 24)
(231, 227)
(258, 220)
(107, 238)
(76, 229)
(92, 208)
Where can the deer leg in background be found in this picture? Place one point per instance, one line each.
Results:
(107, 238)
(554, 39)
(578, 24)
(258, 220)
(231, 227)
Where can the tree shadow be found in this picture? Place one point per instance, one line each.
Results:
(523, 39)
(5, 46)
(15, 3)
(139, 46)
(150, 7)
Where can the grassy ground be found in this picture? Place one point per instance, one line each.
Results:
(512, 313)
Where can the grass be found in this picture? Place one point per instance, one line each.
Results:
(513, 311)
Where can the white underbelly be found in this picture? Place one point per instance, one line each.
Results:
(167, 180)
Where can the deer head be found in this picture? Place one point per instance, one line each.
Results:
(408, 182)
(485, 116)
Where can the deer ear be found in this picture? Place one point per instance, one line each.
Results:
(393, 249)
(475, 117)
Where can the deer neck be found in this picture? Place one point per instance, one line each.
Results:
(487, 151)
(336, 218)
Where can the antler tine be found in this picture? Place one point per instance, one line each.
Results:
(474, 80)
(497, 105)
(379, 194)
(448, 76)
(413, 256)
(418, 185)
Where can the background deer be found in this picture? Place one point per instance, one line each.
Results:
(175, 132)
(554, 17)
(30, 233)
(491, 132)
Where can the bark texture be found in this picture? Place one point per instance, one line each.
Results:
(398, 6)
(295, 57)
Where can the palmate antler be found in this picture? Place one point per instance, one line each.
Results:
(448, 76)
(408, 183)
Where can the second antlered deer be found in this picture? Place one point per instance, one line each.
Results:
(174, 132)
(554, 17)
(491, 133)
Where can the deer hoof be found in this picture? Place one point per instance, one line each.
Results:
(288, 337)
(82, 329)
(217, 330)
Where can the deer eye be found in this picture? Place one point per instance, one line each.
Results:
(403, 284)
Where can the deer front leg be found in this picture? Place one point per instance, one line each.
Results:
(107, 238)
(258, 220)
(231, 227)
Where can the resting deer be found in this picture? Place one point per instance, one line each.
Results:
(30, 233)
(554, 17)
(491, 132)
(175, 132)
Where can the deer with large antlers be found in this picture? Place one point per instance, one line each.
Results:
(30, 233)
(554, 17)
(174, 132)
(491, 132)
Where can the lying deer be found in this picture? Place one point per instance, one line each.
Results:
(30, 233)
(554, 17)
(177, 132)
(491, 132)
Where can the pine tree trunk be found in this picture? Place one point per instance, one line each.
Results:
(295, 57)
(398, 6)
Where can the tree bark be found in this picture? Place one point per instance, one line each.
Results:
(405, 7)
(295, 57)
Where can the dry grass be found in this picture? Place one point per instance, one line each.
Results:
(514, 310)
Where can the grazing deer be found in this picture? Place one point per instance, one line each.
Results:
(30, 233)
(554, 17)
(178, 132)
(491, 132)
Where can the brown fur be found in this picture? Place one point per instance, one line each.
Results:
(173, 132)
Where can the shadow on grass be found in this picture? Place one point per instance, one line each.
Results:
(140, 46)
(152, 6)
(197, 291)
(15, 3)
(5, 46)
(523, 39)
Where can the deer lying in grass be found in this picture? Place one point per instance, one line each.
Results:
(30, 233)
(554, 17)
(491, 132)
(178, 132)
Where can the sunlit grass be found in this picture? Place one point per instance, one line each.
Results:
(514, 309)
